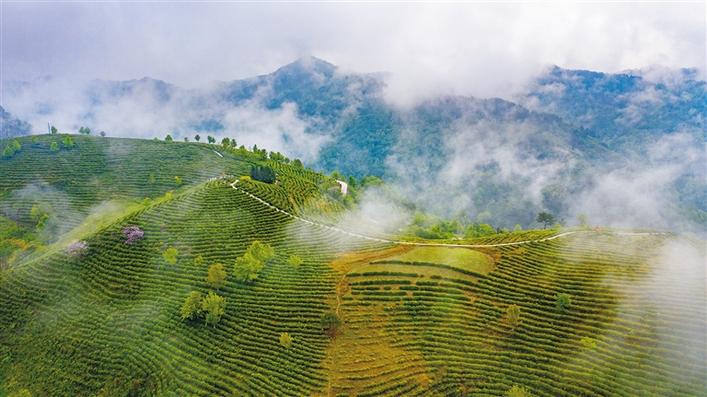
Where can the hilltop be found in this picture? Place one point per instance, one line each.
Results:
(560, 139)
(592, 312)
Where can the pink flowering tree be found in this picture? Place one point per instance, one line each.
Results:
(77, 248)
(132, 234)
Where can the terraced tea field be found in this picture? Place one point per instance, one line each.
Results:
(597, 313)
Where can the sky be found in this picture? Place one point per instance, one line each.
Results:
(483, 49)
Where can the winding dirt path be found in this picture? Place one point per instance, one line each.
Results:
(382, 240)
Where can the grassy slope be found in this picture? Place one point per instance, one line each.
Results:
(108, 323)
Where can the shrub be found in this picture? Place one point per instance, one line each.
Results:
(213, 306)
(170, 255)
(199, 260)
(286, 340)
(263, 174)
(330, 323)
(294, 260)
(192, 306)
(132, 234)
(216, 275)
(178, 180)
(588, 343)
(563, 301)
(54, 147)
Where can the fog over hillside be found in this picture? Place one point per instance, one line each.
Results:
(616, 132)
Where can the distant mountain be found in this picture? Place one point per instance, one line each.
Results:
(11, 126)
(490, 158)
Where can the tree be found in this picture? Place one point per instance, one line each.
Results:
(226, 141)
(39, 215)
(54, 147)
(546, 219)
(53, 130)
(285, 340)
(191, 308)
(513, 315)
(213, 306)
(297, 163)
(11, 148)
(248, 266)
(197, 137)
(330, 323)
(563, 301)
(132, 234)
(68, 141)
(583, 221)
(170, 255)
(178, 180)
(85, 131)
(211, 139)
(199, 260)
(103, 133)
(8, 152)
(518, 391)
(168, 138)
(263, 174)
(186, 139)
(294, 260)
(216, 275)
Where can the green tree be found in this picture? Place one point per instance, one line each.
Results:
(8, 152)
(216, 276)
(178, 180)
(39, 215)
(513, 315)
(192, 306)
(211, 139)
(53, 130)
(518, 391)
(170, 255)
(286, 340)
(330, 323)
(197, 137)
(263, 174)
(252, 262)
(186, 139)
(168, 138)
(213, 306)
(226, 141)
(16, 145)
(294, 260)
(68, 141)
(583, 221)
(199, 260)
(54, 147)
(563, 301)
(546, 219)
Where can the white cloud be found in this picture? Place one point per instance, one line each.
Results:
(479, 48)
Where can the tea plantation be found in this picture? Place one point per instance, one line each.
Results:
(589, 313)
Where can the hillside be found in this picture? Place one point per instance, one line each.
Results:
(598, 311)
(561, 138)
